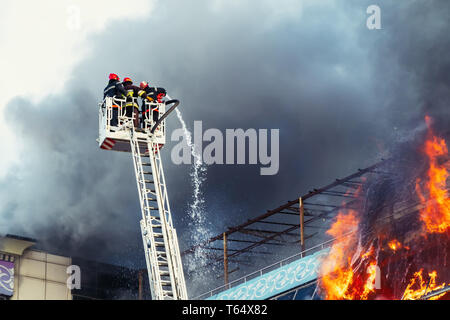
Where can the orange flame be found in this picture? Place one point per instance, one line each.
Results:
(369, 286)
(394, 245)
(422, 287)
(336, 270)
(436, 213)
(339, 280)
(368, 253)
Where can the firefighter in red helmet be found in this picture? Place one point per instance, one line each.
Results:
(156, 94)
(132, 93)
(114, 89)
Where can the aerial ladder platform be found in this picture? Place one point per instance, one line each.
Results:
(159, 237)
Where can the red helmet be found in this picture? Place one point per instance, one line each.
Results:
(127, 80)
(143, 85)
(114, 76)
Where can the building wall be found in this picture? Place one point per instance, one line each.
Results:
(271, 284)
(41, 276)
(30, 274)
(109, 282)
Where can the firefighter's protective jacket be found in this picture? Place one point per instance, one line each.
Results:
(154, 92)
(132, 93)
(114, 88)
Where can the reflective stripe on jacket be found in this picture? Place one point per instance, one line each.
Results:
(132, 93)
(114, 88)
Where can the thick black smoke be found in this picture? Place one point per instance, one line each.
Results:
(65, 192)
(340, 94)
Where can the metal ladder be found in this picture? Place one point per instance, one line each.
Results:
(165, 271)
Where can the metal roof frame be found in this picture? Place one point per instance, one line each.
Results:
(294, 219)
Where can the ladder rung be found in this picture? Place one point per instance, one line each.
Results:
(163, 263)
(168, 293)
(164, 273)
(146, 164)
(147, 172)
(166, 282)
(151, 208)
(147, 181)
(151, 218)
(154, 226)
(157, 235)
(160, 244)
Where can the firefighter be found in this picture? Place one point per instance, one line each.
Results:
(114, 89)
(156, 94)
(131, 106)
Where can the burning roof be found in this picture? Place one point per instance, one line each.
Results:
(393, 243)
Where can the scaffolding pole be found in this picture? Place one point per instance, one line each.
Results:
(225, 258)
(302, 223)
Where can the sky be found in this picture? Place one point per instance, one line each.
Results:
(342, 96)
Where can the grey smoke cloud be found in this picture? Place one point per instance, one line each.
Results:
(340, 94)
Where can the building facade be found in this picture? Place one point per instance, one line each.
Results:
(28, 274)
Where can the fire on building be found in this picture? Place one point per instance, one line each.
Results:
(393, 242)
(380, 233)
